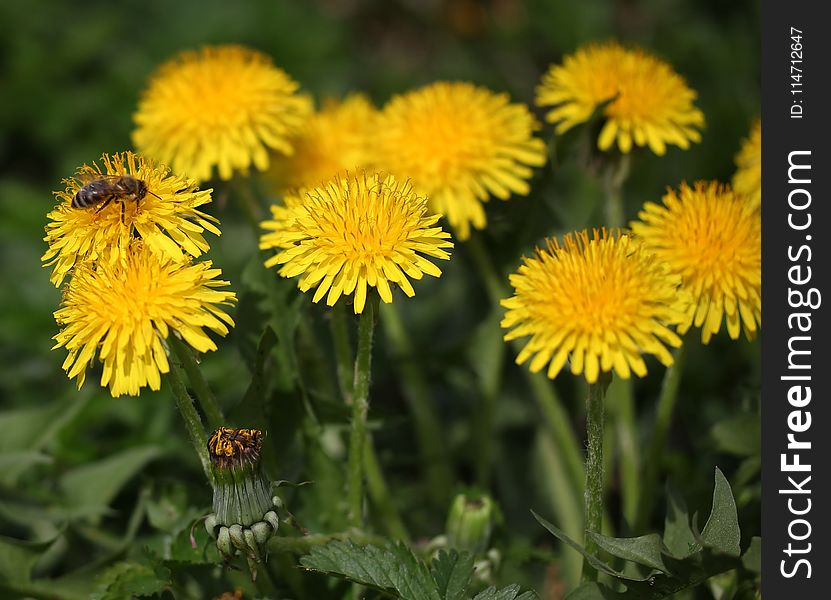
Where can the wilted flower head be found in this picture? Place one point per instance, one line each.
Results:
(712, 239)
(166, 218)
(357, 231)
(221, 106)
(649, 104)
(460, 144)
(747, 180)
(123, 312)
(601, 301)
(337, 138)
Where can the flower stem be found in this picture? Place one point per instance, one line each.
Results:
(360, 408)
(621, 398)
(545, 395)
(429, 436)
(380, 493)
(663, 420)
(204, 396)
(593, 493)
(193, 423)
(615, 174)
(339, 327)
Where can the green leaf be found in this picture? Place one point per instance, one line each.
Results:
(17, 557)
(739, 435)
(452, 572)
(506, 593)
(752, 558)
(593, 560)
(722, 528)
(27, 431)
(130, 579)
(90, 488)
(678, 537)
(645, 550)
(392, 569)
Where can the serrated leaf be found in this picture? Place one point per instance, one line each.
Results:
(722, 528)
(130, 579)
(391, 569)
(593, 560)
(645, 550)
(507, 593)
(90, 488)
(678, 537)
(452, 572)
(752, 558)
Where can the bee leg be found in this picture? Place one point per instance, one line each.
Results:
(122, 213)
(104, 205)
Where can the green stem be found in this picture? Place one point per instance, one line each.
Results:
(207, 401)
(621, 398)
(380, 494)
(193, 423)
(615, 174)
(429, 437)
(343, 351)
(558, 422)
(360, 408)
(542, 388)
(621, 405)
(663, 420)
(593, 493)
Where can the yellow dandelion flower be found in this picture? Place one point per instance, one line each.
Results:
(712, 239)
(222, 107)
(123, 312)
(748, 178)
(460, 144)
(337, 138)
(649, 103)
(165, 216)
(356, 231)
(601, 301)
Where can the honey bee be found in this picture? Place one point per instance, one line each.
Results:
(108, 188)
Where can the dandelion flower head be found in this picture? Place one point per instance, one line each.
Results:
(166, 218)
(336, 139)
(600, 301)
(356, 231)
(649, 104)
(123, 312)
(220, 107)
(712, 238)
(460, 144)
(747, 180)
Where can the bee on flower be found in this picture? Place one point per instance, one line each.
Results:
(105, 207)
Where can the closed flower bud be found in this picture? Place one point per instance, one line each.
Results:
(470, 523)
(244, 518)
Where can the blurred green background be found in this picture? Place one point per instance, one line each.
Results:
(70, 77)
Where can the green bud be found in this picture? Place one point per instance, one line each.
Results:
(470, 522)
(244, 518)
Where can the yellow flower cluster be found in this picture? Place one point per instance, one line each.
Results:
(362, 191)
(747, 180)
(124, 232)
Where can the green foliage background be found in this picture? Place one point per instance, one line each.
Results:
(77, 464)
